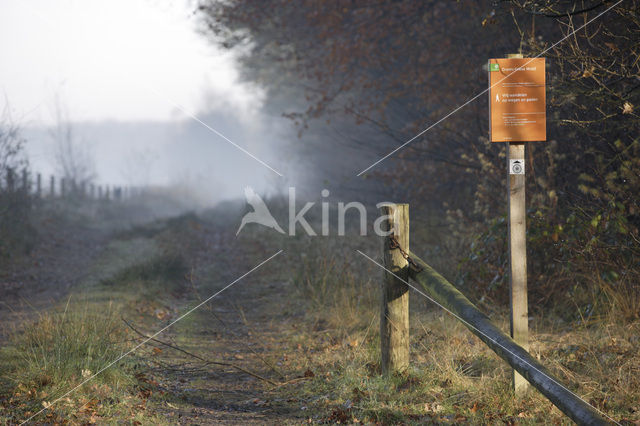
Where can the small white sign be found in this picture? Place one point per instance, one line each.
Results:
(516, 167)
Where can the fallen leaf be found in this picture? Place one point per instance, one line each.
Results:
(611, 46)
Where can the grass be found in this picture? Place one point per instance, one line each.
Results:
(328, 335)
(454, 377)
(334, 292)
(47, 356)
(56, 353)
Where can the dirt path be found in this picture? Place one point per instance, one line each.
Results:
(245, 327)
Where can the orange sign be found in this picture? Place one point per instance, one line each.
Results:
(517, 105)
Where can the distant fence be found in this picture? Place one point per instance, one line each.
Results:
(32, 184)
(402, 265)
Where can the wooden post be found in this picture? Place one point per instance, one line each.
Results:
(394, 313)
(518, 254)
(25, 182)
(39, 185)
(10, 180)
(518, 259)
(52, 186)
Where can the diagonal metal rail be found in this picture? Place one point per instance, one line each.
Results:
(479, 324)
(441, 292)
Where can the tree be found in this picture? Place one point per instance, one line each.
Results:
(370, 75)
(16, 232)
(11, 143)
(380, 72)
(72, 156)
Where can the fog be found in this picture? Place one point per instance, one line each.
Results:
(151, 102)
(176, 153)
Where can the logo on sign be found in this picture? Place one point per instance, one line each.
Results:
(516, 167)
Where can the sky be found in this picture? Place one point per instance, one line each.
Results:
(116, 59)
(132, 75)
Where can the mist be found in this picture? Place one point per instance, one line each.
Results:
(159, 107)
(177, 153)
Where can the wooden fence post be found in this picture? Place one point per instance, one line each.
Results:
(39, 185)
(10, 180)
(52, 186)
(394, 314)
(25, 182)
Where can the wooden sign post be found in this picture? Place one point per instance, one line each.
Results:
(517, 115)
(518, 258)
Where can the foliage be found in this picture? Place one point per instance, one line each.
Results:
(11, 142)
(16, 231)
(396, 67)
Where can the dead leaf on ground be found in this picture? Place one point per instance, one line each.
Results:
(587, 73)
(627, 108)
(340, 415)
